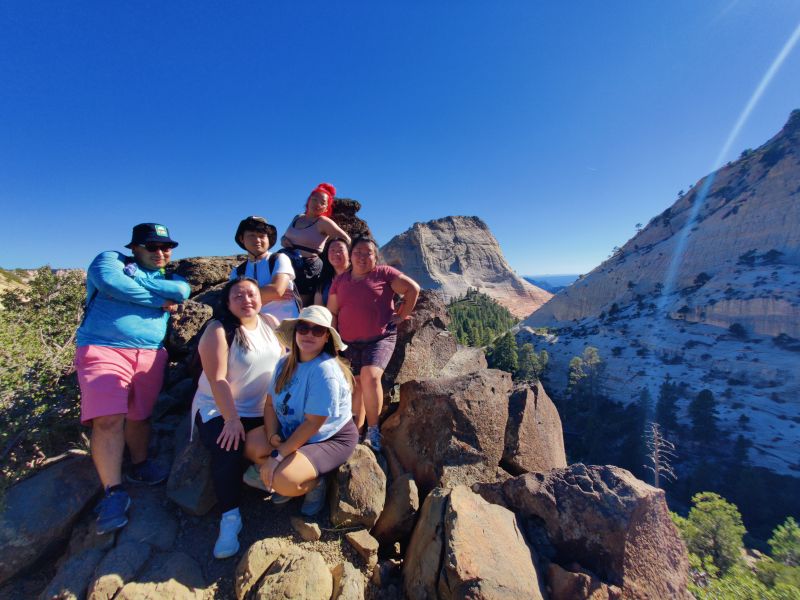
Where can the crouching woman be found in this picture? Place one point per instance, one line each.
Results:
(308, 412)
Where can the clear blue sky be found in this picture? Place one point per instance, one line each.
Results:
(562, 125)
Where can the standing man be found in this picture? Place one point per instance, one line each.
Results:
(273, 271)
(121, 359)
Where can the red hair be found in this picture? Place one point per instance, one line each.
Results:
(330, 192)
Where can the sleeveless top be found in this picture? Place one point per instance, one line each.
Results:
(306, 236)
(249, 375)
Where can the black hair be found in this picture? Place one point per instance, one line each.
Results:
(328, 272)
(366, 239)
(222, 312)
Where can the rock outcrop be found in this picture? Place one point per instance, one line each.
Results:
(454, 254)
(450, 431)
(720, 269)
(606, 520)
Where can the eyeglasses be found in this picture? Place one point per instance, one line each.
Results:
(316, 330)
(156, 247)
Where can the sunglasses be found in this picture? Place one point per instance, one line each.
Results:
(156, 247)
(316, 330)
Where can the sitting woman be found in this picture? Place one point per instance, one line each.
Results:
(335, 261)
(239, 352)
(306, 236)
(308, 414)
(362, 303)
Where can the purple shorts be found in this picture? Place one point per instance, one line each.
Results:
(329, 454)
(370, 353)
(119, 381)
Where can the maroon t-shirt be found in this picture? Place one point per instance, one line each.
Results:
(365, 305)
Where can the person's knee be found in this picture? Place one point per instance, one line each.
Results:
(370, 377)
(109, 424)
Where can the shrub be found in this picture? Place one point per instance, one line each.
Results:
(38, 396)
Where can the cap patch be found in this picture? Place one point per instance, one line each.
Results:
(162, 231)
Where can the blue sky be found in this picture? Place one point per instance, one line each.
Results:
(561, 125)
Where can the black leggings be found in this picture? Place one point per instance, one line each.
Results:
(227, 466)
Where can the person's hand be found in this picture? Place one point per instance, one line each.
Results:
(275, 440)
(232, 432)
(267, 472)
(170, 306)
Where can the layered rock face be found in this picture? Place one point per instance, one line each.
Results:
(454, 254)
(708, 292)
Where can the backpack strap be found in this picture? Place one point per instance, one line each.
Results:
(273, 258)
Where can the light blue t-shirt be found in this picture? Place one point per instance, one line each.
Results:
(318, 387)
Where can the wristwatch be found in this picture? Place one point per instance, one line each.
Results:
(276, 455)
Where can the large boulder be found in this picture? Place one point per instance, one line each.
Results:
(344, 215)
(189, 484)
(73, 576)
(184, 326)
(609, 522)
(359, 490)
(578, 585)
(399, 513)
(41, 510)
(450, 431)
(423, 557)
(203, 272)
(168, 576)
(273, 570)
(424, 345)
(465, 547)
(117, 568)
(348, 584)
(466, 360)
(534, 440)
(150, 520)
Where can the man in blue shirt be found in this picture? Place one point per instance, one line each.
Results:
(120, 360)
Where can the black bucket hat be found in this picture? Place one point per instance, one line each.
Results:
(256, 224)
(144, 233)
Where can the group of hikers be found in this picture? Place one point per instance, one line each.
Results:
(291, 360)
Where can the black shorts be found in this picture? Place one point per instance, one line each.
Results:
(329, 454)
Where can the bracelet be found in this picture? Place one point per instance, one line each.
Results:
(276, 455)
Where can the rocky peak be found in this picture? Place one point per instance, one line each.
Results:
(455, 253)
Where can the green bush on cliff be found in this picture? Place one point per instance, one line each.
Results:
(38, 395)
(476, 319)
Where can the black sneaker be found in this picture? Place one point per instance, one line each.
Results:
(111, 512)
(149, 473)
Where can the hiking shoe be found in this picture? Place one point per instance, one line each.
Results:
(228, 540)
(315, 499)
(252, 477)
(148, 473)
(373, 439)
(111, 512)
(280, 498)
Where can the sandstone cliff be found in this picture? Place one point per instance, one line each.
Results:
(454, 254)
(709, 292)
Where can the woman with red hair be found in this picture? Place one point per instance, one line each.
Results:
(305, 239)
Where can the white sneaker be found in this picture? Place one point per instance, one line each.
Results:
(228, 541)
(252, 477)
(315, 499)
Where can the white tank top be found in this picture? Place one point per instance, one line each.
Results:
(249, 375)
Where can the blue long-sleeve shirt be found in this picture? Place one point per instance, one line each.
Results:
(126, 311)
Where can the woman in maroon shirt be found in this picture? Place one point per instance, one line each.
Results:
(362, 303)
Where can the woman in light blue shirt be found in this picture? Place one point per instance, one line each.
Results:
(308, 412)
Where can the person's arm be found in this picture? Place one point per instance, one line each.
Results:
(107, 275)
(271, 426)
(327, 226)
(175, 289)
(409, 290)
(276, 288)
(318, 298)
(333, 306)
(214, 350)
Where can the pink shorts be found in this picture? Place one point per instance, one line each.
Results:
(119, 381)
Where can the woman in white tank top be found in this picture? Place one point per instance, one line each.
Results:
(239, 352)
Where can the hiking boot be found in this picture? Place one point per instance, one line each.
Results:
(373, 439)
(252, 477)
(111, 511)
(228, 540)
(148, 472)
(315, 499)
(280, 498)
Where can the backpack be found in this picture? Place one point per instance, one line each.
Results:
(242, 269)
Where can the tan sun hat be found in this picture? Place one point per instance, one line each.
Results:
(319, 315)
